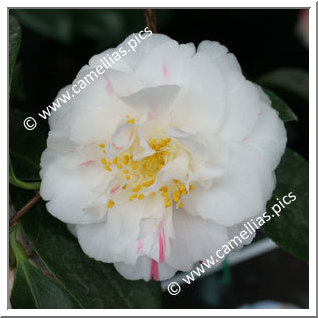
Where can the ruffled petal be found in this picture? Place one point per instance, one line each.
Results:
(201, 104)
(195, 239)
(166, 63)
(268, 135)
(153, 105)
(243, 109)
(227, 62)
(241, 194)
(116, 239)
(193, 142)
(67, 185)
(145, 268)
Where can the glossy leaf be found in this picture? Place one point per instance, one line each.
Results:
(290, 230)
(285, 113)
(17, 87)
(33, 289)
(14, 44)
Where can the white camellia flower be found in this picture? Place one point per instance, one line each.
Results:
(157, 163)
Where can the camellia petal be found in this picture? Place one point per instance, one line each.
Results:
(162, 158)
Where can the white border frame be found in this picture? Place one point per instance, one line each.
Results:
(312, 158)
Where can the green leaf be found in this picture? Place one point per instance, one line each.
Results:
(33, 289)
(17, 87)
(290, 230)
(93, 284)
(14, 44)
(25, 147)
(292, 80)
(19, 183)
(285, 113)
(21, 297)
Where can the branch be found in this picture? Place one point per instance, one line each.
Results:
(151, 20)
(25, 209)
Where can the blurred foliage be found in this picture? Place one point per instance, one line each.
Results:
(14, 44)
(103, 26)
(25, 147)
(25, 153)
(295, 81)
(17, 87)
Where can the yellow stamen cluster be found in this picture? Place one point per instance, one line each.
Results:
(140, 175)
(104, 161)
(130, 120)
(111, 203)
(174, 192)
(158, 145)
(106, 164)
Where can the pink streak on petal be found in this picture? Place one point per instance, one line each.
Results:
(162, 245)
(152, 112)
(165, 71)
(244, 139)
(140, 244)
(172, 242)
(152, 107)
(114, 189)
(150, 116)
(109, 86)
(154, 270)
(87, 162)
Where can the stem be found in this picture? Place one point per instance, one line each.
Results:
(151, 20)
(25, 209)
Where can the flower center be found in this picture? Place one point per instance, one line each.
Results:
(137, 177)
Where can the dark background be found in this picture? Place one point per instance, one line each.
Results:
(57, 43)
